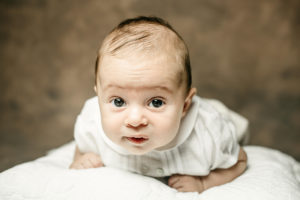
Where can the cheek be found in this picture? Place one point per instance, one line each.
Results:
(110, 123)
(168, 124)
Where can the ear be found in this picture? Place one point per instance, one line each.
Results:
(188, 101)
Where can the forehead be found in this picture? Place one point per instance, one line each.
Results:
(139, 71)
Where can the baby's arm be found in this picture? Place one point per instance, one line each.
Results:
(85, 160)
(185, 183)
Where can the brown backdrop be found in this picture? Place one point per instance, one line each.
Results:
(245, 53)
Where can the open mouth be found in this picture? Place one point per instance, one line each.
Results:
(137, 140)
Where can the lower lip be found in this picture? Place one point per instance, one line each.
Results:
(137, 140)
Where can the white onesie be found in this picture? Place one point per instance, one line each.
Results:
(208, 138)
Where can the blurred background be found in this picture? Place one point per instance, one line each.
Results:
(244, 53)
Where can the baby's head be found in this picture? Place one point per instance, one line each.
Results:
(143, 81)
(147, 38)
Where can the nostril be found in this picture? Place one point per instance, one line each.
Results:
(135, 117)
(144, 122)
(136, 126)
(136, 122)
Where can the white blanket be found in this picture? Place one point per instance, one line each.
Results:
(271, 175)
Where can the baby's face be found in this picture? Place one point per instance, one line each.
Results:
(141, 101)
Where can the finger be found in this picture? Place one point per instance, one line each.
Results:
(96, 161)
(178, 184)
(86, 164)
(90, 163)
(77, 166)
(189, 188)
(173, 179)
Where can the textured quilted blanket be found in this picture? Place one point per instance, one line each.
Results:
(271, 175)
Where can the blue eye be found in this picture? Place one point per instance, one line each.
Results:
(156, 103)
(118, 102)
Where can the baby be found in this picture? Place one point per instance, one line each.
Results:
(147, 118)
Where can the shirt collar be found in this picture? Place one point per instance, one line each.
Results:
(186, 126)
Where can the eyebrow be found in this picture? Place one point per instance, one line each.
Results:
(149, 87)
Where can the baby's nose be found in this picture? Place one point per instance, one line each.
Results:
(136, 117)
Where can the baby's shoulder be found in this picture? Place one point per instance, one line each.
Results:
(93, 101)
(90, 108)
(208, 106)
(212, 106)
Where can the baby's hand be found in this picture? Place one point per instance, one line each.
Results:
(87, 160)
(185, 183)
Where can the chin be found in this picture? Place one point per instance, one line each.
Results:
(138, 151)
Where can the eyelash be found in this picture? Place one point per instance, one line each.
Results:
(122, 101)
(159, 99)
(113, 101)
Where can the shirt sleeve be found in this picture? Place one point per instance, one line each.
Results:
(240, 123)
(221, 135)
(85, 130)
